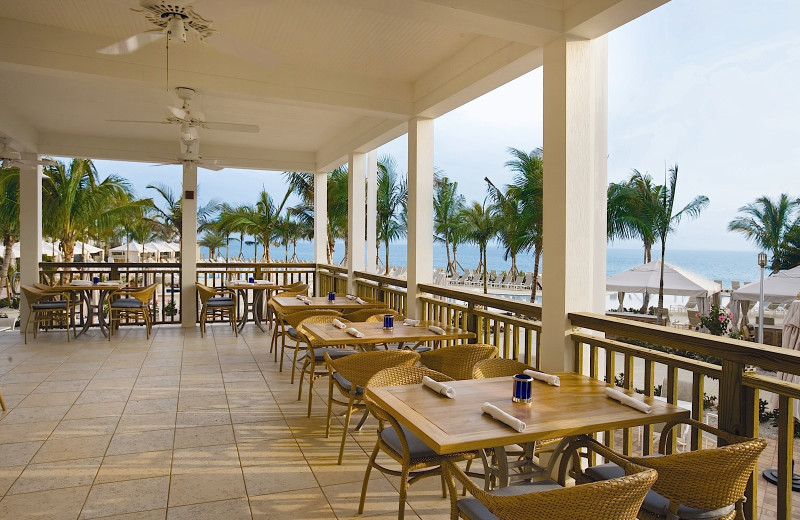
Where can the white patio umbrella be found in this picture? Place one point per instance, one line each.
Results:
(677, 282)
(781, 287)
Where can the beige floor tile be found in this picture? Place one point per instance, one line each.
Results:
(154, 393)
(153, 514)
(113, 373)
(382, 498)
(194, 488)
(206, 459)
(130, 423)
(268, 430)
(38, 431)
(261, 453)
(72, 448)
(306, 504)
(278, 477)
(116, 383)
(237, 509)
(50, 399)
(94, 410)
(255, 414)
(136, 442)
(203, 418)
(7, 477)
(203, 436)
(55, 475)
(71, 375)
(48, 387)
(151, 406)
(85, 427)
(103, 396)
(190, 403)
(34, 414)
(129, 496)
(133, 466)
(56, 504)
(18, 453)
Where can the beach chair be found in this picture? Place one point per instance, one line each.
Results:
(498, 281)
(519, 281)
(492, 277)
(478, 281)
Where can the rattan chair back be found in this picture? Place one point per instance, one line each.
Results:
(365, 314)
(498, 367)
(359, 368)
(396, 376)
(457, 361)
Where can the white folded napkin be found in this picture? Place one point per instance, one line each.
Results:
(338, 324)
(353, 332)
(441, 388)
(541, 376)
(437, 330)
(628, 400)
(503, 417)
(410, 322)
(109, 282)
(306, 301)
(350, 297)
(81, 282)
(359, 300)
(300, 297)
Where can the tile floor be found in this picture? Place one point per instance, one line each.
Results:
(176, 427)
(182, 427)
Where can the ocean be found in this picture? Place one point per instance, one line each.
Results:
(727, 266)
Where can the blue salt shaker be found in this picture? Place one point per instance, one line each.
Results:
(331, 296)
(388, 321)
(522, 388)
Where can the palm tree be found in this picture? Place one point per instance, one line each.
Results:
(527, 188)
(302, 184)
(75, 201)
(766, 223)
(171, 215)
(789, 254)
(447, 206)
(481, 228)
(9, 218)
(667, 221)
(391, 204)
(214, 241)
(511, 232)
(260, 221)
(631, 210)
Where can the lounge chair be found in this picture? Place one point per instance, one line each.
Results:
(498, 281)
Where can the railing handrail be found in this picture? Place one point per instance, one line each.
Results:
(332, 268)
(534, 310)
(764, 356)
(382, 279)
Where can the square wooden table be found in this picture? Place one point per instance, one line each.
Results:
(94, 297)
(287, 304)
(328, 335)
(578, 406)
(258, 287)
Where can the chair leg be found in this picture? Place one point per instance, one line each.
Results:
(403, 493)
(27, 323)
(370, 464)
(312, 376)
(330, 405)
(346, 427)
(300, 384)
(2, 403)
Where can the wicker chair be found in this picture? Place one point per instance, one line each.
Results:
(314, 361)
(281, 327)
(366, 314)
(708, 483)
(498, 367)
(350, 375)
(457, 361)
(416, 459)
(131, 302)
(220, 302)
(288, 324)
(45, 306)
(294, 288)
(617, 499)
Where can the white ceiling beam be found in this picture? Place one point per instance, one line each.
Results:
(594, 18)
(59, 51)
(511, 20)
(24, 135)
(477, 69)
(149, 151)
(362, 137)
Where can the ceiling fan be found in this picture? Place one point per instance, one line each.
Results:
(190, 120)
(10, 157)
(175, 21)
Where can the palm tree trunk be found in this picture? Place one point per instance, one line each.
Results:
(255, 249)
(537, 255)
(513, 264)
(660, 309)
(386, 255)
(483, 274)
(447, 249)
(9, 243)
(377, 255)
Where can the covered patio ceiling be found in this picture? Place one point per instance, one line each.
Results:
(348, 74)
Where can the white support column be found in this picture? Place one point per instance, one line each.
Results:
(189, 245)
(356, 200)
(420, 210)
(575, 145)
(30, 228)
(320, 222)
(372, 211)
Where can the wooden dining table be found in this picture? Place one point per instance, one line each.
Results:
(93, 296)
(260, 290)
(374, 334)
(578, 406)
(286, 304)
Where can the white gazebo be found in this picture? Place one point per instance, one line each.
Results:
(781, 287)
(326, 82)
(131, 252)
(646, 278)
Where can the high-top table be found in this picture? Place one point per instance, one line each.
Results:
(258, 288)
(374, 334)
(94, 297)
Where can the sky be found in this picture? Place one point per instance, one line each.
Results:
(711, 86)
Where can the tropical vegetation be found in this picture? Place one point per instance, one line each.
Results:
(772, 225)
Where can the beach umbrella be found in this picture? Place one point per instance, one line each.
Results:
(781, 287)
(677, 282)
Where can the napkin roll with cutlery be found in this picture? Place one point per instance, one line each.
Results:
(441, 388)
(503, 417)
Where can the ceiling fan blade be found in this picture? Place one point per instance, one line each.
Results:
(133, 121)
(177, 112)
(132, 44)
(165, 164)
(210, 166)
(244, 50)
(233, 127)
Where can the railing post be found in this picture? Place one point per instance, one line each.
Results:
(732, 403)
(472, 322)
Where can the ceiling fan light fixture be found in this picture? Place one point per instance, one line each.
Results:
(176, 29)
